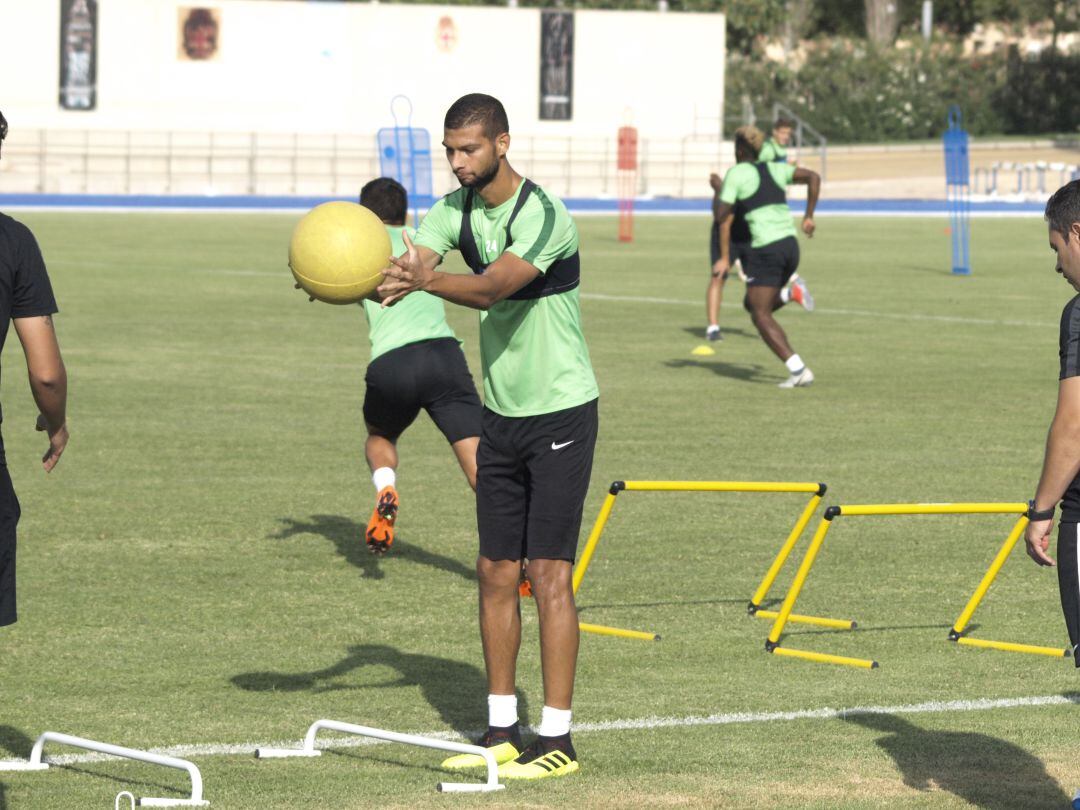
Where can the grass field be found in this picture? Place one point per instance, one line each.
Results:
(192, 573)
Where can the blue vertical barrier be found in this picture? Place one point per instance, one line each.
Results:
(405, 155)
(958, 191)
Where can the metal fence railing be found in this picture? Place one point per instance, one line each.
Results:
(226, 163)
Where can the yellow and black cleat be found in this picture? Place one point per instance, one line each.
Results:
(548, 756)
(504, 744)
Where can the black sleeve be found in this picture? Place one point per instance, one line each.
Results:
(31, 292)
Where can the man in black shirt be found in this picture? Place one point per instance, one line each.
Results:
(1060, 480)
(26, 299)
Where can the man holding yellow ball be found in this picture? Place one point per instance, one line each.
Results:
(540, 415)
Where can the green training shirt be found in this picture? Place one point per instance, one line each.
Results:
(415, 317)
(532, 352)
(772, 151)
(770, 223)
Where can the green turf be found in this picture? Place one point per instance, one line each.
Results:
(192, 573)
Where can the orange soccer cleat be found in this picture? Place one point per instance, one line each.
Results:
(380, 529)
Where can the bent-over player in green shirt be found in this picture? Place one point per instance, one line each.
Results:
(416, 362)
(540, 415)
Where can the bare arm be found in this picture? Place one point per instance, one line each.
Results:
(415, 271)
(812, 181)
(1060, 466)
(48, 382)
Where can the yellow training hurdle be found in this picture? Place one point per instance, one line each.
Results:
(817, 491)
(772, 644)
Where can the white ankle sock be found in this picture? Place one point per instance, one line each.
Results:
(502, 710)
(554, 722)
(383, 477)
(785, 294)
(795, 364)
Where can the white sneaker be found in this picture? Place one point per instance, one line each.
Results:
(800, 380)
(713, 332)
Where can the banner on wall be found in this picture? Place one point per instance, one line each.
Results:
(78, 54)
(198, 34)
(556, 65)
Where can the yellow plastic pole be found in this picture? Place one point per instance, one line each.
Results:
(819, 621)
(989, 576)
(721, 486)
(934, 509)
(800, 577)
(824, 658)
(603, 630)
(594, 538)
(785, 550)
(1008, 646)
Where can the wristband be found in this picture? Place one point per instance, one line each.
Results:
(1034, 514)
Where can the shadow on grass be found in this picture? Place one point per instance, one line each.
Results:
(747, 372)
(672, 603)
(984, 771)
(15, 742)
(142, 785)
(454, 689)
(348, 537)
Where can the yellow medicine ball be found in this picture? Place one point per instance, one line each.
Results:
(338, 252)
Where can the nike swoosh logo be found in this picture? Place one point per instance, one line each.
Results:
(561, 446)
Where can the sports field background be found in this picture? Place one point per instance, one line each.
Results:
(193, 571)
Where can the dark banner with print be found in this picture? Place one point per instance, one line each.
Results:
(556, 65)
(78, 54)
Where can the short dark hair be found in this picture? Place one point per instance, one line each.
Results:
(387, 198)
(782, 122)
(1063, 208)
(3, 127)
(477, 108)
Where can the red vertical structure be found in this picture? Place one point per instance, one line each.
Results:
(627, 181)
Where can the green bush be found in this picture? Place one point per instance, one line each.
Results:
(852, 93)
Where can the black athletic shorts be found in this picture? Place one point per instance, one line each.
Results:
(9, 517)
(1069, 582)
(738, 250)
(773, 264)
(432, 375)
(532, 477)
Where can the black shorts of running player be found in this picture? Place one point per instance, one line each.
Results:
(531, 481)
(738, 251)
(430, 374)
(1069, 582)
(9, 518)
(772, 265)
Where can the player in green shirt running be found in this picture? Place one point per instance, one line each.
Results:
(416, 362)
(774, 251)
(540, 415)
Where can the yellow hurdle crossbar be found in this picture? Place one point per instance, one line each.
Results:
(784, 615)
(816, 490)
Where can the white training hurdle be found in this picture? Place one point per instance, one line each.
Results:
(309, 750)
(35, 763)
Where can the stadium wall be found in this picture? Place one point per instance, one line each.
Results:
(284, 67)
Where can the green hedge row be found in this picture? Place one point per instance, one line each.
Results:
(853, 93)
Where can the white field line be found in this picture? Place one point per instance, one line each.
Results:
(865, 313)
(735, 718)
(682, 302)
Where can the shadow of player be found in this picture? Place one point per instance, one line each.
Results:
(983, 770)
(348, 537)
(454, 689)
(15, 742)
(747, 372)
